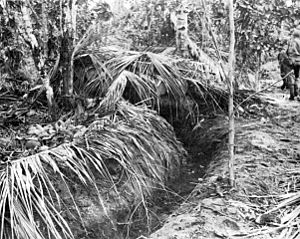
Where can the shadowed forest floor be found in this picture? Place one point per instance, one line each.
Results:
(267, 166)
(267, 161)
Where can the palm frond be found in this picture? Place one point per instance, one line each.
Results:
(148, 65)
(167, 83)
(130, 153)
(23, 185)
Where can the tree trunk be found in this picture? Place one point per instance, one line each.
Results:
(65, 63)
(181, 27)
(67, 47)
(45, 32)
(26, 30)
(257, 73)
(230, 104)
(38, 46)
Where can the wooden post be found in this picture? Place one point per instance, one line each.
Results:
(231, 89)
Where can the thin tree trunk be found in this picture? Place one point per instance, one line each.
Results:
(45, 32)
(67, 47)
(27, 29)
(257, 82)
(230, 106)
(181, 26)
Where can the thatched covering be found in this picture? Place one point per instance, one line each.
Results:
(98, 178)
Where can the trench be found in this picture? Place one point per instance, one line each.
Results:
(202, 145)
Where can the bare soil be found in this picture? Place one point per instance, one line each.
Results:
(200, 204)
(267, 151)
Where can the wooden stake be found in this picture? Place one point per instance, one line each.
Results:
(230, 104)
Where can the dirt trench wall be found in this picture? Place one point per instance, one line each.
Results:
(264, 152)
(202, 141)
(125, 202)
(208, 144)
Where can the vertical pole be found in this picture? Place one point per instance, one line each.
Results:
(230, 103)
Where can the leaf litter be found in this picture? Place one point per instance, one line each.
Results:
(265, 202)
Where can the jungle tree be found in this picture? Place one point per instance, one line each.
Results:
(259, 26)
(48, 32)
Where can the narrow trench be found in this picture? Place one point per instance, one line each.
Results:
(200, 151)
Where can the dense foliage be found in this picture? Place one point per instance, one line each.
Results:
(88, 60)
(261, 27)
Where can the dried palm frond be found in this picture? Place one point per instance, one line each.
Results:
(205, 70)
(25, 188)
(146, 64)
(151, 65)
(147, 75)
(128, 153)
(144, 87)
(289, 211)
